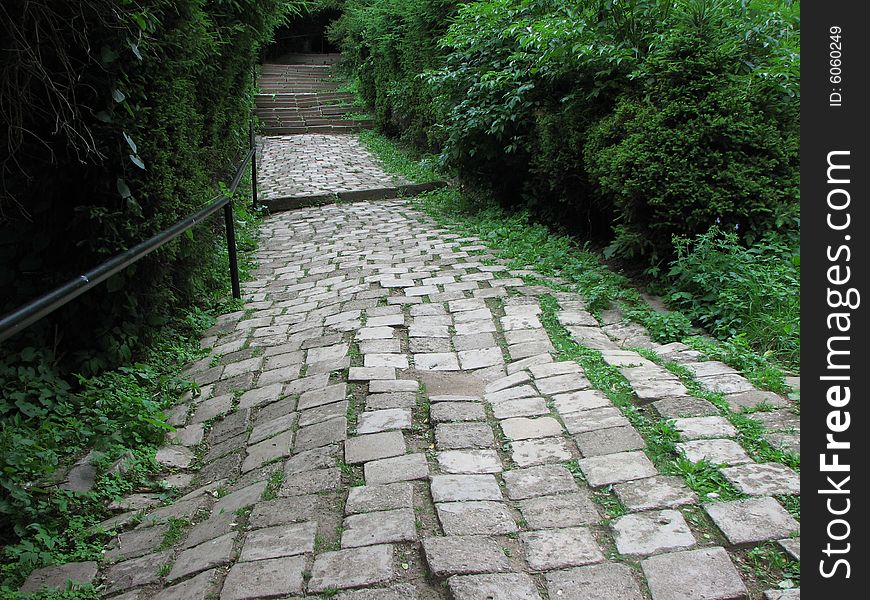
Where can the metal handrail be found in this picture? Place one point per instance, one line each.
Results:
(33, 311)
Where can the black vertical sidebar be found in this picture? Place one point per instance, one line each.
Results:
(835, 300)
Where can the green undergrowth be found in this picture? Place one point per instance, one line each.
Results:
(396, 159)
(527, 244)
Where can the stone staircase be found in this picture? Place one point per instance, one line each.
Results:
(298, 96)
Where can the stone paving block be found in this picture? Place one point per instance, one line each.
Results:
(177, 457)
(726, 383)
(261, 395)
(678, 408)
(437, 361)
(464, 554)
(594, 420)
(370, 373)
(361, 449)
(186, 436)
(233, 444)
(321, 434)
(474, 327)
(226, 467)
(307, 384)
(372, 498)
(754, 398)
(706, 574)
(462, 488)
(538, 481)
(379, 528)
(268, 450)
(270, 412)
(134, 573)
(753, 520)
(269, 578)
(574, 402)
(375, 421)
(355, 567)
(540, 451)
(212, 553)
(616, 468)
(694, 428)
(507, 382)
(763, 479)
(317, 458)
(562, 383)
(280, 511)
(717, 452)
(495, 586)
(56, 577)
(458, 436)
(521, 407)
(522, 391)
(475, 518)
(323, 413)
(375, 333)
(561, 510)
(311, 482)
(480, 358)
(399, 361)
(477, 341)
(787, 442)
(379, 347)
(218, 524)
(195, 588)
(131, 544)
(652, 532)
(279, 541)
(240, 498)
(792, 547)
(604, 581)
(522, 428)
(518, 365)
(327, 395)
(181, 509)
(659, 491)
(266, 429)
(391, 400)
(791, 594)
(469, 461)
(212, 408)
(566, 367)
(609, 441)
(326, 353)
(441, 412)
(778, 420)
(558, 548)
(230, 426)
(379, 386)
(433, 345)
(399, 468)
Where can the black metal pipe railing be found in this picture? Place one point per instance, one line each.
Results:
(41, 307)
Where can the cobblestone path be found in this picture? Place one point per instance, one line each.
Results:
(386, 420)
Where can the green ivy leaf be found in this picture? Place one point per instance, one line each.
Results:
(137, 161)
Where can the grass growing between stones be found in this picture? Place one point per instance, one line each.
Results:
(770, 567)
(174, 533)
(273, 484)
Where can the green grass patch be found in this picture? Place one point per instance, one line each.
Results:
(396, 160)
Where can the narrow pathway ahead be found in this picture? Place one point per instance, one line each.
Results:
(386, 419)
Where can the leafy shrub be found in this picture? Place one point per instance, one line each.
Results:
(698, 144)
(752, 294)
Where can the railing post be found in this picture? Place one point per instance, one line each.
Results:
(255, 200)
(231, 249)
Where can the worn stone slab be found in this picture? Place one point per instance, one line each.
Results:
(679, 407)
(616, 468)
(436, 361)
(355, 567)
(218, 524)
(763, 479)
(397, 525)
(399, 468)
(609, 441)
(604, 581)
(717, 452)
(462, 488)
(429, 345)
(659, 491)
(464, 554)
(279, 511)
(753, 399)
(381, 386)
(480, 358)
(458, 436)
(375, 421)
(788, 442)
(790, 594)
(507, 382)
(267, 451)
(269, 578)
(707, 573)
(523, 428)
(321, 434)
(195, 588)
(493, 586)
(212, 553)
(323, 413)
(311, 482)
(594, 420)
(538, 481)
(266, 429)
(562, 383)
(279, 541)
(364, 448)
(370, 373)
(319, 397)
(558, 548)
(391, 400)
(441, 412)
(379, 347)
(317, 458)
(518, 365)
(261, 395)
(753, 520)
(176, 457)
(56, 577)
(565, 367)
(181, 509)
(526, 453)
(240, 498)
(475, 518)
(372, 498)
(520, 391)
(574, 402)
(130, 544)
(652, 532)
(778, 420)
(694, 428)
(792, 547)
(134, 573)
(726, 383)
(521, 407)
(561, 510)
(473, 461)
